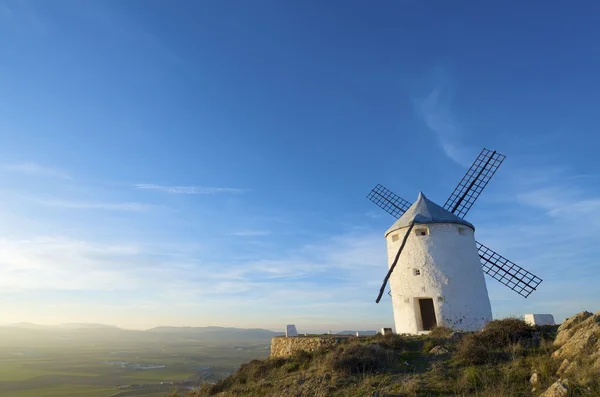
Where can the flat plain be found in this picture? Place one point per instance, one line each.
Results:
(94, 362)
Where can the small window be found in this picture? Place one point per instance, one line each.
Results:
(461, 230)
(417, 272)
(395, 237)
(422, 231)
(440, 299)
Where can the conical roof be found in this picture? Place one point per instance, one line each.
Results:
(425, 211)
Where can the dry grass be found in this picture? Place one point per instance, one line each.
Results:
(496, 362)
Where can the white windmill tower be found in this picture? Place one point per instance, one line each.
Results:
(436, 268)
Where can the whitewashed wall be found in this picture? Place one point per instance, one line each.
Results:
(451, 275)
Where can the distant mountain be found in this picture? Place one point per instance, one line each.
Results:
(85, 326)
(28, 326)
(218, 332)
(64, 326)
(359, 332)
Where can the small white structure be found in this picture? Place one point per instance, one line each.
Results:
(438, 280)
(290, 331)
(539, 319)
(386, 331)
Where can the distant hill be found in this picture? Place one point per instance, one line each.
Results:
(86, 326)
(218, 332)
(62, 326)
(28, 326)
(359, 332)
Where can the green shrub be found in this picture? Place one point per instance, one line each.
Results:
(392, 341)
(501, 333)
(440, 332)
(428, 345)
(471, 350)
(258, 369)
(302, 358)
(354, 359)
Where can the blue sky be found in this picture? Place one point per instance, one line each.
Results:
(207, 164)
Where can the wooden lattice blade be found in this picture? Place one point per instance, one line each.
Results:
(507, 272)
(388, 201)
(473, 182)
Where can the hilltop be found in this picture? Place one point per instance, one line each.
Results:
(507, 358)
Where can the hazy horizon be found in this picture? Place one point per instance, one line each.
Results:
(208, 164)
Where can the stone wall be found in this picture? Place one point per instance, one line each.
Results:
(285, 347)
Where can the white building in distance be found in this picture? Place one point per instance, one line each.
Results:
(438, 279)
(539, 319)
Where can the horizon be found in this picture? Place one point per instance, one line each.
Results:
(313, 331)
(208, 164)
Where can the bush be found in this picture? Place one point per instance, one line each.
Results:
(428, 345)
(440, 332)
(354, 359)
(258, 369)
(501, 333)
(391, 341)
(302, 358)
(471, 350)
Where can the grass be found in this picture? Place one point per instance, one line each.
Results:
(496, 362)
(62, 391)
(19, 372)
(161, 374)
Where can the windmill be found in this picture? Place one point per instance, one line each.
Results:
(436, 274)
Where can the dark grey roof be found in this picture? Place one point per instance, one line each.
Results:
(426, 211)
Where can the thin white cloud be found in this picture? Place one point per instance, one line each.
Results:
(36, 169)
(43, 263)
(84, 205)
(441, 120)
(188, 189)
(252, 233)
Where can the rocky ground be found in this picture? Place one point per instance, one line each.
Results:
(507, 358)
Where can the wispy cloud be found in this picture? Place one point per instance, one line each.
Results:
(85, 205)
(188, 189)
(36, 169)
(439, 118)
(252, 233)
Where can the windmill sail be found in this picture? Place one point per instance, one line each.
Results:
(508, 273)
(393, 266)
(472, 184)
(389, 201)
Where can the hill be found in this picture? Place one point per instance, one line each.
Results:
(507, 358)
(218, 332)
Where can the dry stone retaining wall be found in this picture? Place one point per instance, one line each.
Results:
(285, 347)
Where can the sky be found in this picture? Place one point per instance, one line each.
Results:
(208, 163)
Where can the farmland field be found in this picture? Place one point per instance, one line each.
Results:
(95, 362)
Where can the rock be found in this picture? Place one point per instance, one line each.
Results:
(568, 325)
(578, 338)
(534, 380)
(559, 388)
(578, 342)
(438, 350)
(572, 321)
(563, 367)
